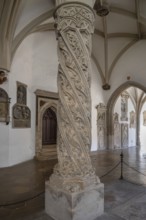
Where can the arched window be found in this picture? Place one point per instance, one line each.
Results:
(49, 127)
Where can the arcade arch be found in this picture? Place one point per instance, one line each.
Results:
(136, 93)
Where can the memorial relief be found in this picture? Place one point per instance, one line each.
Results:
(132, 119)
(124, 135)
(21, 114)
(144, 118)
(21, 93)
(117, 131)
(101, 126)
(124, 106)
(4, 106)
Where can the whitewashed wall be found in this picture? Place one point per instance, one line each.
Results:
(36, 64)
(97, 97)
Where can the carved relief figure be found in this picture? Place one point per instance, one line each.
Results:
(144, 118)
(116, 117)
(123, 110)
(101, 125)
(117, 136)
(21, 94)
(4, 106)
(124, 135)
(101, 138)
(132, 119)
(124, 106)
(117, 131)
(101, 117)
(21, 113)
(21, 116)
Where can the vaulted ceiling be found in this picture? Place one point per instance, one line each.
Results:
(115, 33)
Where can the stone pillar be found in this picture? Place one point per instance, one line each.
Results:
(74, 192)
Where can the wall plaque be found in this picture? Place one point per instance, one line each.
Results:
(4, 106)
(21, 114)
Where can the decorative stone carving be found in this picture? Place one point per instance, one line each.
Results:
(74, 24)
(106, 86)
(21, 115)
(101, 126)
(124, 106)
(4, 106)
(101, 138)
(144, 118)
(132, 119)
(117, 131)
(124, 135)
(74, 176)
(44, 100)
(3, 77)
(87, 2)
(116, 117)
(21, 93)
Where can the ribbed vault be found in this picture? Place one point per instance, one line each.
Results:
(114, 34)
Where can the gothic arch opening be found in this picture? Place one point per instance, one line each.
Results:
(46, 124)
(129, 120)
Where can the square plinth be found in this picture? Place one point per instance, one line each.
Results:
(84, 205)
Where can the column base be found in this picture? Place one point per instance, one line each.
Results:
(86, 204)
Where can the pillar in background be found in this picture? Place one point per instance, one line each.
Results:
(74, 192)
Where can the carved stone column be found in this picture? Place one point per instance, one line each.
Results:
(74, 177)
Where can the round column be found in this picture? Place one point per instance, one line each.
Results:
(74, 28)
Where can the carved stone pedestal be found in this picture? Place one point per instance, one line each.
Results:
(86, 204)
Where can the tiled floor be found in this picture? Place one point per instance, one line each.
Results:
(22, 187)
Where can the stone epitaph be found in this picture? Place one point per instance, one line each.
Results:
(132, 119)
(74, 192)
(117, 131)
(101, 126)
(124, 106)
(21, 114)
(144, 118)
(124, 135)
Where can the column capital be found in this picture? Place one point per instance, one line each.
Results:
(87, 2)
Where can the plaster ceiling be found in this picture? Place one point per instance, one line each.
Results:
(114, 34)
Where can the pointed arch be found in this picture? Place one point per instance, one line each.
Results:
(110, 108)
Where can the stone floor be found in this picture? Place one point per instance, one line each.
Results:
(22, 187)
